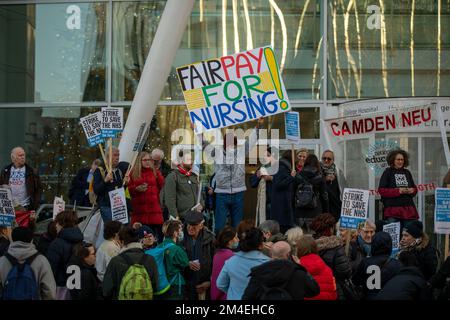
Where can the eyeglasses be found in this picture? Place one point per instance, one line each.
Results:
(326, 159)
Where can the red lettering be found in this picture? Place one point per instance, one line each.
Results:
(345, 128)
(420, 187)
(257, 58)
(358, 126)
(406, 119)
(416, 117)
(390, 121)
(240, 65)
(333, 125)
(366, 126)
(379, 123)
(428, 118)
(225, 66)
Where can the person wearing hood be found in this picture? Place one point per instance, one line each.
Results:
(199, 245)
(227, 241)
(283, 188)
(397, 189)
(311, 174)
(145, 184)
(61, 249)
(272, 234)
(330, 174)
(280, 273)
(418, 242)
(380, 255)
(408, 284)
(130, 254)
(234, 277)
(22, 249)
(84, 259)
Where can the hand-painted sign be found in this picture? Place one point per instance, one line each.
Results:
(118, 205)
(233, 89)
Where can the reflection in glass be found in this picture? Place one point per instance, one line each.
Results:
(218, 28)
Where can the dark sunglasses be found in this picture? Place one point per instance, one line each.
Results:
(326, 159)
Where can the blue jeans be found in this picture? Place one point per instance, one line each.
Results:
(228, 204)
(106, 214)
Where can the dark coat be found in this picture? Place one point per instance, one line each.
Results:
(78, 188)
(118, 267)
(426, 256)
(313, 176)
(282, 202)
(60, 251)
(204, 252)
(101, 189)
(332, 252)
(89, 284)
(32, 183)
(44, 243)
(146, 207)
(281, 273)
(334, 198)
(439, 280)
(397, 205)
(407, 284)
(380, 255)
(4, 245)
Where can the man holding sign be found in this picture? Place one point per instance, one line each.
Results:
(104, 182)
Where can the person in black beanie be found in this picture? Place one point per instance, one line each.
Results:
(415, 240)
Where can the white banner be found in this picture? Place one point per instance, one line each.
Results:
(118, 205)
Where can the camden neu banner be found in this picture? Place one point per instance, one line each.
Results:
(351, 127)
(233, 89)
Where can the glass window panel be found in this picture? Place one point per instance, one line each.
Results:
(214, 32)
(53, 52)
(379, 54)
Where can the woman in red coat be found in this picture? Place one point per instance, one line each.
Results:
(145, 184)
(317, 268)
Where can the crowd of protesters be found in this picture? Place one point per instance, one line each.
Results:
(294, 249)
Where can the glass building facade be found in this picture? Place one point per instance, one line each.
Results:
(61, 60)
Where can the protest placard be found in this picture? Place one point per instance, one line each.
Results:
(355, 208)
(118, 205)
(92, 128)
(112, 122)
(7, 213)
(442, 211)
(292, 126)
(394, 231)
(59, 205)
(233, 89)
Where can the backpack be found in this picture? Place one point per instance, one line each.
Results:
(305, 197)
(277, 293)
(158, 254)
(136, 283)
(20, 282)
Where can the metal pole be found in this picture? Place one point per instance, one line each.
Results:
(156, 70)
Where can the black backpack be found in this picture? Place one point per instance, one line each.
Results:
(305, 196)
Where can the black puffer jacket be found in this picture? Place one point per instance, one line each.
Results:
(313, 176)
(408, 284)
(281, 273)
(332, 251)
(380, 255)
(60, 251)
(427, 257)
(89, 284)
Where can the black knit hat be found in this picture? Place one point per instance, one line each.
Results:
(414, 228)
(22, 234)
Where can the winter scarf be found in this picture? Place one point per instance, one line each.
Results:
(328, 170)
(261, 202)
(364, 245)
(184, 171)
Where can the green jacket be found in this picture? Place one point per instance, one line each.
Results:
(176, 260)
(180, 193)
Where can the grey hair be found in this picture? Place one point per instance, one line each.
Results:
(271, 226)
(13, 151)
(157, 152)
